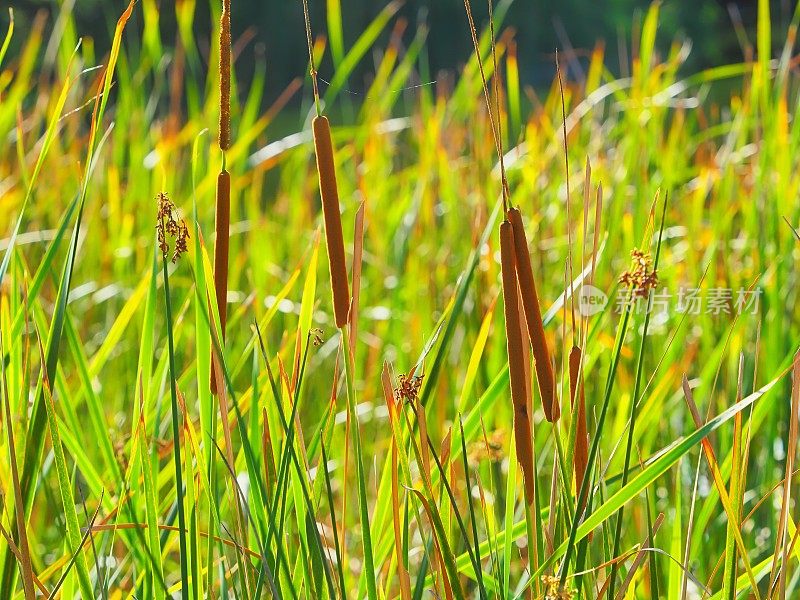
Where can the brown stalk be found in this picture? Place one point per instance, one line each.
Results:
(576, 393)
(334, 239)
(516, 363)
(533, 316)
(222, 228)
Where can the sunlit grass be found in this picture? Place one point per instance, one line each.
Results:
(402, 417)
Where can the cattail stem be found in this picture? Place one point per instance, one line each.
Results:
(576, 394)
(533, 316)
(222, 229)
(516, 363)
(313, 68)
(333, 219)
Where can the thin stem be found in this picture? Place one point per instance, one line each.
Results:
(310, 43)
(175, 431)
(496, 76)
(566, 178)
(633, 418)
(492, 124)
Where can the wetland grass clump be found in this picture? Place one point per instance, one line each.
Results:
(123, 476)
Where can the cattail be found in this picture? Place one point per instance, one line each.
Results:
(333, 220)
(223, 217)
(516, 362)
(576, 394)
(533, 316)
(222, 227)
(225, 76)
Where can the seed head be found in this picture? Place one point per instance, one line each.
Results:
(491, 448)
(553, 590)
(641, 277)
(408, 388)
(168, 225)
(225, 76)
(316, 337)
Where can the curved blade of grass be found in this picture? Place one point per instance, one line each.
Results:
(473, 520)
(719, 483)
(76, 552)
(65, 488)
(335, 31)
(441, 536)
(443, 477)
(329, 491)
(365, 41)
(9, 34)
(151, 514)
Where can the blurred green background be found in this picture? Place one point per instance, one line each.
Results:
(271, 32)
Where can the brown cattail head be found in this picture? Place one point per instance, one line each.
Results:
(222, 229)
(533, 316)
(576, 395)
(225, 76)
(516, 362)
(333, 219)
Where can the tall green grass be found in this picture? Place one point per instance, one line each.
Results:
(315, 471)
